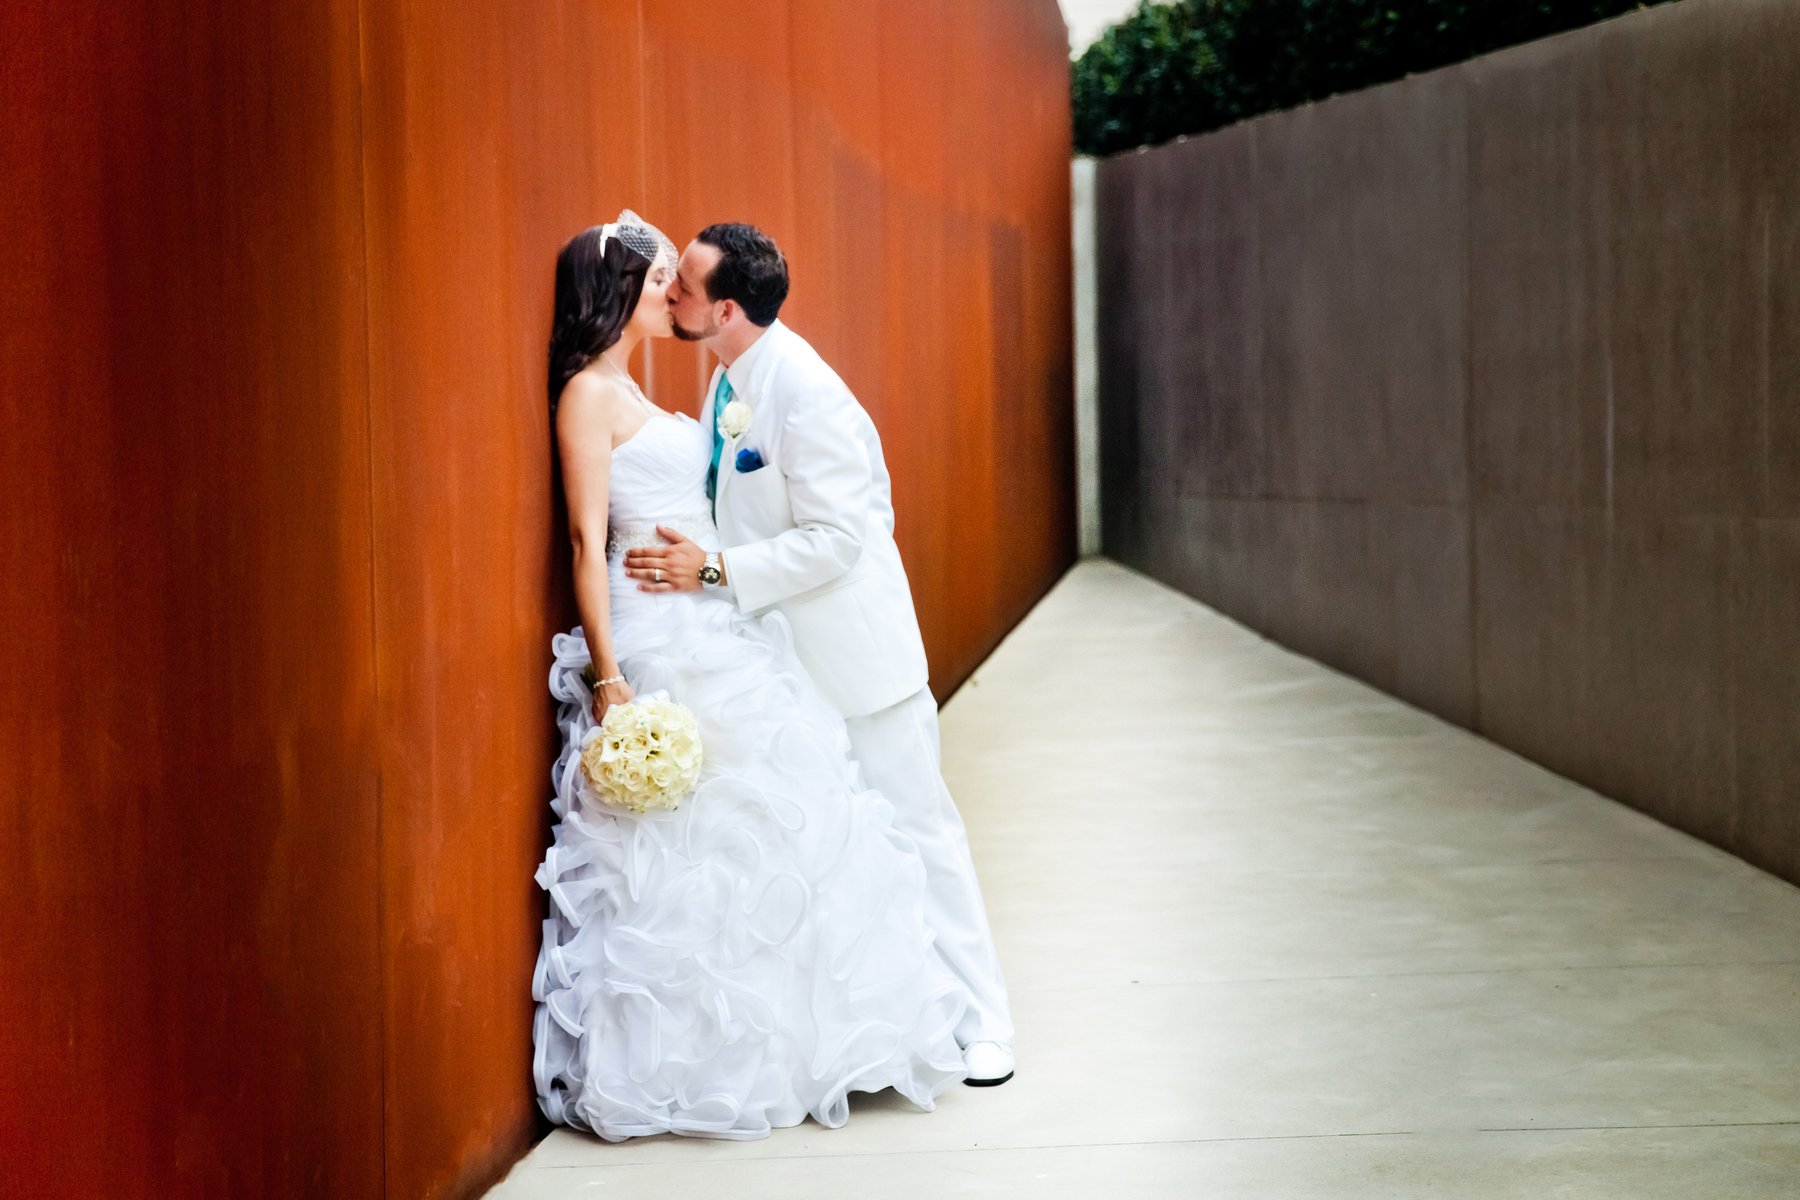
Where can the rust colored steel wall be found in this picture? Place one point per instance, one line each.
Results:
(282, 557)
(190, 956)
(905, 156)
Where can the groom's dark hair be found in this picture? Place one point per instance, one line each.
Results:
(751, 270)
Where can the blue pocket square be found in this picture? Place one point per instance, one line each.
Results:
(749, 460)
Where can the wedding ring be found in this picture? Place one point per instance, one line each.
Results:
(658, 574)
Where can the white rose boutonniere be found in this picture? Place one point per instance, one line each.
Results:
(735, 419)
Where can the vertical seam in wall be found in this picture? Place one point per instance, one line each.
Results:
(793, 93)
(643, 104)
(644, 167)
(1766, 498)
(374, 638)
(1264, 487)
(1746, 559)
(1468, 353)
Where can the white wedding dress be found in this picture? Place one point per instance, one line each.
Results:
(754, 956)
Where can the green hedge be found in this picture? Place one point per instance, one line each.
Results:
(1194, 65)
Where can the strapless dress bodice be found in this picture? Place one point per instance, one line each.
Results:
(659, 478)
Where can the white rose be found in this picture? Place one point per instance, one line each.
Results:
(735, 419)
(647, 754)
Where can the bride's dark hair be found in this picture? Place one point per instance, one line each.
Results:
(598, 282)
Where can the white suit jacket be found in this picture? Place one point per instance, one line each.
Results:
(811, 533)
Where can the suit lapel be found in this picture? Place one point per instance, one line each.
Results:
(706, 405)
(706, 427)
(728, 465)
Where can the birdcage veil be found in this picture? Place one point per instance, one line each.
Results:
(590, 308)
(639, 236)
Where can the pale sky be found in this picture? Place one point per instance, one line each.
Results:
(1087, 18)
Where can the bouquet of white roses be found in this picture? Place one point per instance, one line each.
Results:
(644, 755)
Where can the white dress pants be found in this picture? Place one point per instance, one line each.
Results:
(899, 752)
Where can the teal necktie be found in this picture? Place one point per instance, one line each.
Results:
(720, 399)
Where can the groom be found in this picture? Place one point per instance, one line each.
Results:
(802, 499)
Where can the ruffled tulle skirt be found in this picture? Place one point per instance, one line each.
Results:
(754, 956)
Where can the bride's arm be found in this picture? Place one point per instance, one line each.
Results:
(584, 438)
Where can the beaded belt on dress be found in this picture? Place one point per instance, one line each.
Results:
(620, 538)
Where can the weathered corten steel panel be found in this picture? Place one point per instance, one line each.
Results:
(790, 115)
(189, 949)
(808, 119)
(490, 133)
(1519, 441)
(282, 544)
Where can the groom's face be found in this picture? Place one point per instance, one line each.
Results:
(696, 318)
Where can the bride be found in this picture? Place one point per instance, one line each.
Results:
(752, 957)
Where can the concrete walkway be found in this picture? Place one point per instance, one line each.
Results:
(1272, 934)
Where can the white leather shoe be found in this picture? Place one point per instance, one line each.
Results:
(990, 1064)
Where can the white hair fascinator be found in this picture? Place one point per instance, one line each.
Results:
(638, 235)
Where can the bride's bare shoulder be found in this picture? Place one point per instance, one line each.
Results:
(590, 387)
(590, 399)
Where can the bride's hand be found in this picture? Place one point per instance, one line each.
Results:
(609, 695)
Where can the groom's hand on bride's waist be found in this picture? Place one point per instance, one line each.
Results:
(671, 568)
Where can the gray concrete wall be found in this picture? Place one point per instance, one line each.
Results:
(1483, 386)
(1087, 362)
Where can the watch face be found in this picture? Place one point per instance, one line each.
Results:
(709, 574)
